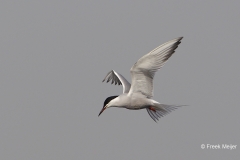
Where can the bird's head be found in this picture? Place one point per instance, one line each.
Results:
(107, 104)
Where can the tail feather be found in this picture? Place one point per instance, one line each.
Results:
(161, 110)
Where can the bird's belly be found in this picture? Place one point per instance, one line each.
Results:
(137, 101)
(136, 107)
(133, 108)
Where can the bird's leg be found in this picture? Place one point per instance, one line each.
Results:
(153, 109)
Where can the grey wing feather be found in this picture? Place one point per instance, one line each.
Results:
(144, 69)
(162, 110)
(117, 79)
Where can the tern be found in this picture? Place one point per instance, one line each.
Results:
(139, 94)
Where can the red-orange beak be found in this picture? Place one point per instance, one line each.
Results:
(102, 110)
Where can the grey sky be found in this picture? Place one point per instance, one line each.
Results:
(54, 55)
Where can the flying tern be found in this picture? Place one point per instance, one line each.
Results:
(139, 94)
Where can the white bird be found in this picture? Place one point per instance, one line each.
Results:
(139, 94)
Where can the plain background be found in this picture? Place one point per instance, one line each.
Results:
(54, 55)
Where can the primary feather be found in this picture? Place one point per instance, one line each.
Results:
(144, 69)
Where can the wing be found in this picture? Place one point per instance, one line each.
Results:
(144, 69)
(162, 110)
(118, 79)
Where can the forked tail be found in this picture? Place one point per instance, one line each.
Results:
(159, 110)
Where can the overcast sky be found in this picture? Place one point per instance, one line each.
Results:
(55, 54)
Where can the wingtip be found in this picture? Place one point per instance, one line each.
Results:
(179, 38)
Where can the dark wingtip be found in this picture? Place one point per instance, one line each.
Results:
(180, 38)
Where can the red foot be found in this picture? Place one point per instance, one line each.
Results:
(153, 109)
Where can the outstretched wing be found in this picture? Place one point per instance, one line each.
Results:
(144, 69)
(161, 110)
(118, 79)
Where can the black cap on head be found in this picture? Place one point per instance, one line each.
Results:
(107, 100)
